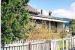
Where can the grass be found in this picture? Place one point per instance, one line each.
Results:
(43, 32)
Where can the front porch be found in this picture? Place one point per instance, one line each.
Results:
(52, 25)
(47, 29)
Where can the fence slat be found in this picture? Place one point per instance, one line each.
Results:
(61, 44)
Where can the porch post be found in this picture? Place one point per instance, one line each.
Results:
(49, 26)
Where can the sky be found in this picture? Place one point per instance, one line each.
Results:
(59, 8)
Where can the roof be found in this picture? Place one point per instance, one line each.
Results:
(43, 17)
(31, 9)
(58, 18)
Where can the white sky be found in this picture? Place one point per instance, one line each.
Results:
(66, 13)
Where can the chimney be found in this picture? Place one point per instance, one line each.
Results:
(50, 13)
(41, 11)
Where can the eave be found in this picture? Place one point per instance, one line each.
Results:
(48, 19)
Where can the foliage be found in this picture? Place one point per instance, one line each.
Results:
(73, 26)
(14, 20)
(42, 32)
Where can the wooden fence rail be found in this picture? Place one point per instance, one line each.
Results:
(58, 44)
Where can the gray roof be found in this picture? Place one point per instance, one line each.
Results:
(31, 9)
(58, 18)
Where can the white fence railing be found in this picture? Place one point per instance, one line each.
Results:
(39, 45)
(63, 44)
(58, 44)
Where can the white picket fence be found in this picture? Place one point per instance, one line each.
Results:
(57, 44)
(63, 44)
(30, 45)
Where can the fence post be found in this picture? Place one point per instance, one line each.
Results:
(63, 43)
(29, 45)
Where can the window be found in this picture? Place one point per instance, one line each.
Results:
(54, 26)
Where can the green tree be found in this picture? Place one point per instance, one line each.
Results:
(14, 20)
(73, 26)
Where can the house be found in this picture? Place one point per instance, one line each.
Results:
(55, 24)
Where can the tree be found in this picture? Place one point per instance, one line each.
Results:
(14, 20)
(73, 26)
